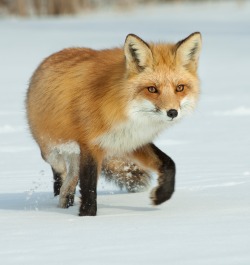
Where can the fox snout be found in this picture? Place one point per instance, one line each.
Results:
(172, 113)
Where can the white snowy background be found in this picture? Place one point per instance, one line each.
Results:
(208, 219)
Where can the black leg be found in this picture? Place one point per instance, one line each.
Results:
(88, 183)
(166, 178)
(57, 182)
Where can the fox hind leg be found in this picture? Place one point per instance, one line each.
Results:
(64, 160)
(57, 181)
(58, 166)
(67, 190)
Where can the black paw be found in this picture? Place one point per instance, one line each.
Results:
(160, 195)
(88, 210)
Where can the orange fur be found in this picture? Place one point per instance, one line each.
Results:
(75, 88)
(83, 95)
(72, 90)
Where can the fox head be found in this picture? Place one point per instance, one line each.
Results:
(163, 77)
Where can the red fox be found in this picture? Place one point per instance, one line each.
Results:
(91, 110)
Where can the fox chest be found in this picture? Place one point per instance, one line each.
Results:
(126, 137)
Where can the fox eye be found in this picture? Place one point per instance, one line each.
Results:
(152, 89)
(180, 88)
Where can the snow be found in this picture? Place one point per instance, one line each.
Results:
(240, 111)
(208, 219)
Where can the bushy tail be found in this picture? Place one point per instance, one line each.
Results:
(126, 174)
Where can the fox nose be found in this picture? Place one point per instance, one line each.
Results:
(172, 113)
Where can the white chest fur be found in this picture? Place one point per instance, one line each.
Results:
(141, 127)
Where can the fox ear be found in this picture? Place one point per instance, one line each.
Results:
(138, 54)
(188, 51)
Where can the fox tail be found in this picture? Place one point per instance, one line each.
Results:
(126, 175)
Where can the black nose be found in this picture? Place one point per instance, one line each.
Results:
(172, 113)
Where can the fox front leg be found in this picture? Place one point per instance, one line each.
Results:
(152, 157)
(88, 185)
(166, 179)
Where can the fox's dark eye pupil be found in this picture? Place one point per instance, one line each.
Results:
(152, 89)
(180, 88)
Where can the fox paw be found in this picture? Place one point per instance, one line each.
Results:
(160, 194)
(88, 210)
(66, 202)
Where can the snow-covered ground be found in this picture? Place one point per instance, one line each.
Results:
(208, 219)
